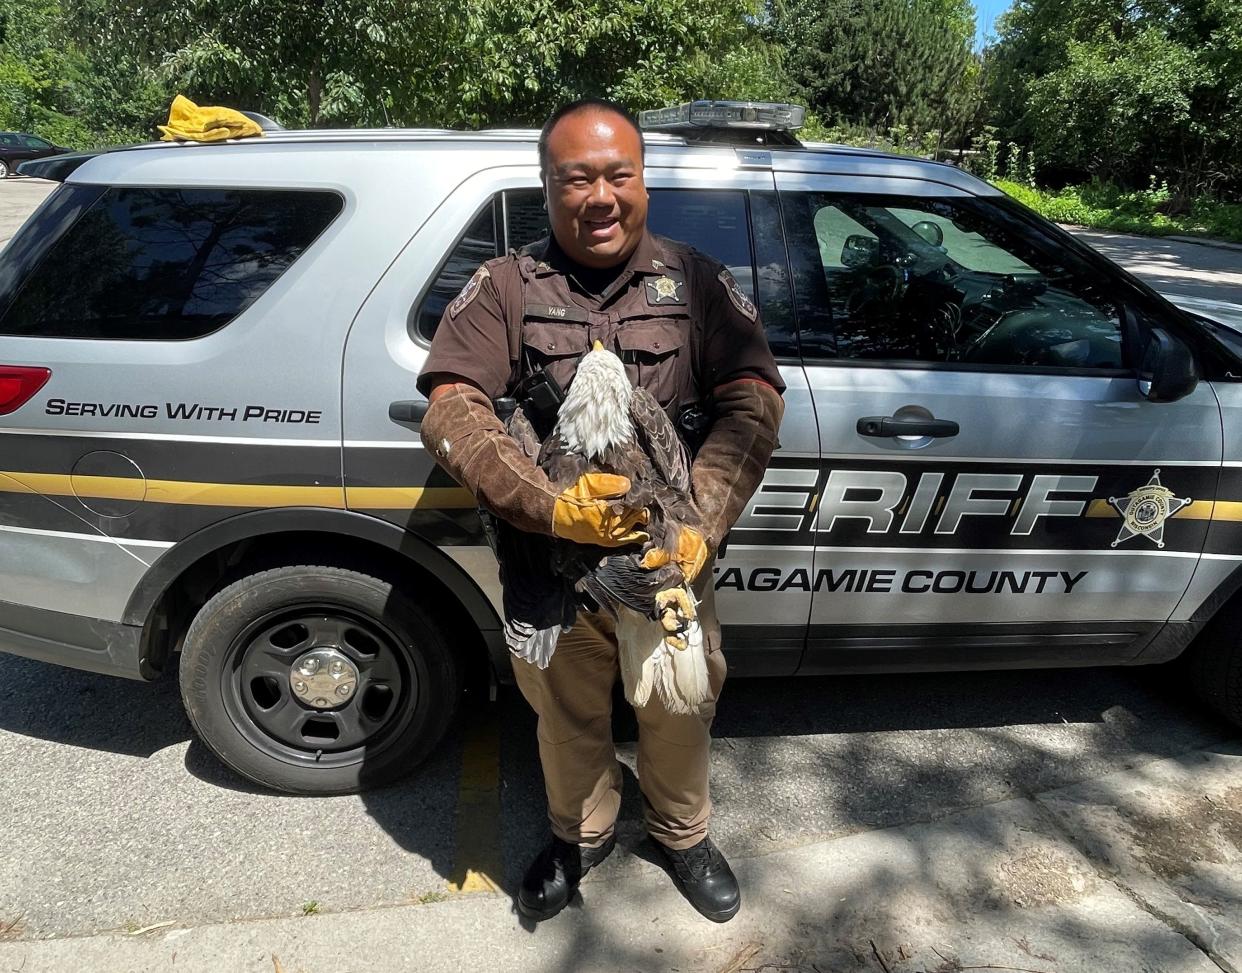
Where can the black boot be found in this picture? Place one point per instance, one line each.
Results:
(706, 879)
(554, 875)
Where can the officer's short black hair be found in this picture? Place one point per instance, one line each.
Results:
(581, 105)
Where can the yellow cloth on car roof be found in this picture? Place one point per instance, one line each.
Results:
(192, 123)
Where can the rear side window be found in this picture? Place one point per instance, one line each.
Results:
(713, 221)
(476, 246)
(159, 264)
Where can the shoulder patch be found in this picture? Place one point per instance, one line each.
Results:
(469, 292)
(736, 295)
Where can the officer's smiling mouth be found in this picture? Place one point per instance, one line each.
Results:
(601, 229)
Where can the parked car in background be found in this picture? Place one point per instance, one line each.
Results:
(18, 147)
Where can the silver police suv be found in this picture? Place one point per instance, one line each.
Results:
(999, 449)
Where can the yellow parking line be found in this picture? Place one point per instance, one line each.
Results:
(476, 859)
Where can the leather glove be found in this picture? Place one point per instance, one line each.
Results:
(469, 441)
(731, 462)
(690, 554)
(463, 432)
(584, 514)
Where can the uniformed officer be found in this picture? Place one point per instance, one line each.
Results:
(688, 334)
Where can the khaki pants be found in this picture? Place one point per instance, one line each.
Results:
(573, 699)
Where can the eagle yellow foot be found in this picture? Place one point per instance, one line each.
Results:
(676, 610)
(657, 557)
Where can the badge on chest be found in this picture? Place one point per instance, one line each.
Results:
(665, 289)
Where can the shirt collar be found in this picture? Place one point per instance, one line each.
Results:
(649, 257)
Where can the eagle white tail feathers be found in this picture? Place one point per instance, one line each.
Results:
(677, 676)
(532, 644)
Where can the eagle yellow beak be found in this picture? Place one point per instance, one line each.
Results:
(598, 345)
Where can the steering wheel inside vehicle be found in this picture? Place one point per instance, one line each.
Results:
(884, 284)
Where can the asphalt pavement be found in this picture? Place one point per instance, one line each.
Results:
(18, 198)
(1063, 821)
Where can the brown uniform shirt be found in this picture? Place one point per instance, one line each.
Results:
(675, 317)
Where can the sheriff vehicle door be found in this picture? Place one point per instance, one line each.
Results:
(994, 489)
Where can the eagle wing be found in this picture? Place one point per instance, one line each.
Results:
(538, 596)
(658, 439)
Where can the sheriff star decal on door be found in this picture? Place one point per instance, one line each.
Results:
(1145, 510)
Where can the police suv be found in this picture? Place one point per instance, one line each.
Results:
(999, 449)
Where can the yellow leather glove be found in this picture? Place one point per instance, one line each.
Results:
(192, 123)
(691, 554)
(584, 513)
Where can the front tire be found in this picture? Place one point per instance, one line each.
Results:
(4, 169)
(1216, 664)
(317, 680)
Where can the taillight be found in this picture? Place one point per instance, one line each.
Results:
(18, 383)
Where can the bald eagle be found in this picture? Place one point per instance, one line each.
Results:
(604, 425)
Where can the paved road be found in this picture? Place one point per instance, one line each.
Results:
(1205, 279)
(115, 818)
(18, 198)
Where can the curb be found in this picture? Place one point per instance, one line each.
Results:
(1204, 241)
(1201, 241)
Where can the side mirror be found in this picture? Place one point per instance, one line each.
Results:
(860, 251)
(929, 232)
(1168, 371)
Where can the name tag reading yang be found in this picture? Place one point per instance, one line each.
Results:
(554, 312)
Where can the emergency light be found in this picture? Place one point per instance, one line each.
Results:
(754, 115)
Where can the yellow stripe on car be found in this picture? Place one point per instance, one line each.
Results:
(1196, 510)
(235, 494)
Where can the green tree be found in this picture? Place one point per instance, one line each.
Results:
(484, 62)
(897, 67)
(1124, 91)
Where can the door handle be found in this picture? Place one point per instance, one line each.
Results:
(408, 410)
(884, 427)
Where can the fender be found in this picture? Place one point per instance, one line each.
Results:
(259, 523)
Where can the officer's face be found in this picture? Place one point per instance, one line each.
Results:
(597, 202)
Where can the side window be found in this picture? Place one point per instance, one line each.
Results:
(942, 280)
(714, 221)
(477, 244)
(35, 143)
(525, 218)
(152, 264)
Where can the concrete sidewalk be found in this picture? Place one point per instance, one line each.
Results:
(1135, 871)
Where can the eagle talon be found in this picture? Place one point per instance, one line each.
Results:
(679, 600)
(655, 558)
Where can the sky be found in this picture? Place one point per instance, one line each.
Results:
(986, 12)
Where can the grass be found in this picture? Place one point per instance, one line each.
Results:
(429, 897)
(310, 908)
(1103, 206)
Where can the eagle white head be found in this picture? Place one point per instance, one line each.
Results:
(596, 412)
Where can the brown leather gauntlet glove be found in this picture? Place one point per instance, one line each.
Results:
(731, 462)
(467, 438)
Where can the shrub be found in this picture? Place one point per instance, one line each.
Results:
(1105, 206)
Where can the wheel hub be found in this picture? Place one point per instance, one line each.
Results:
(323, 678)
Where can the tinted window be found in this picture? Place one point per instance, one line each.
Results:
(166, 263)
(714, 221)
(525, 218)
(943, 280)
(35, 143)
(476, 245)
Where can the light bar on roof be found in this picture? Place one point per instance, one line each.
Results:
(759, 115)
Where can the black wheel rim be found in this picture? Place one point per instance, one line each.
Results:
(259, 699)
